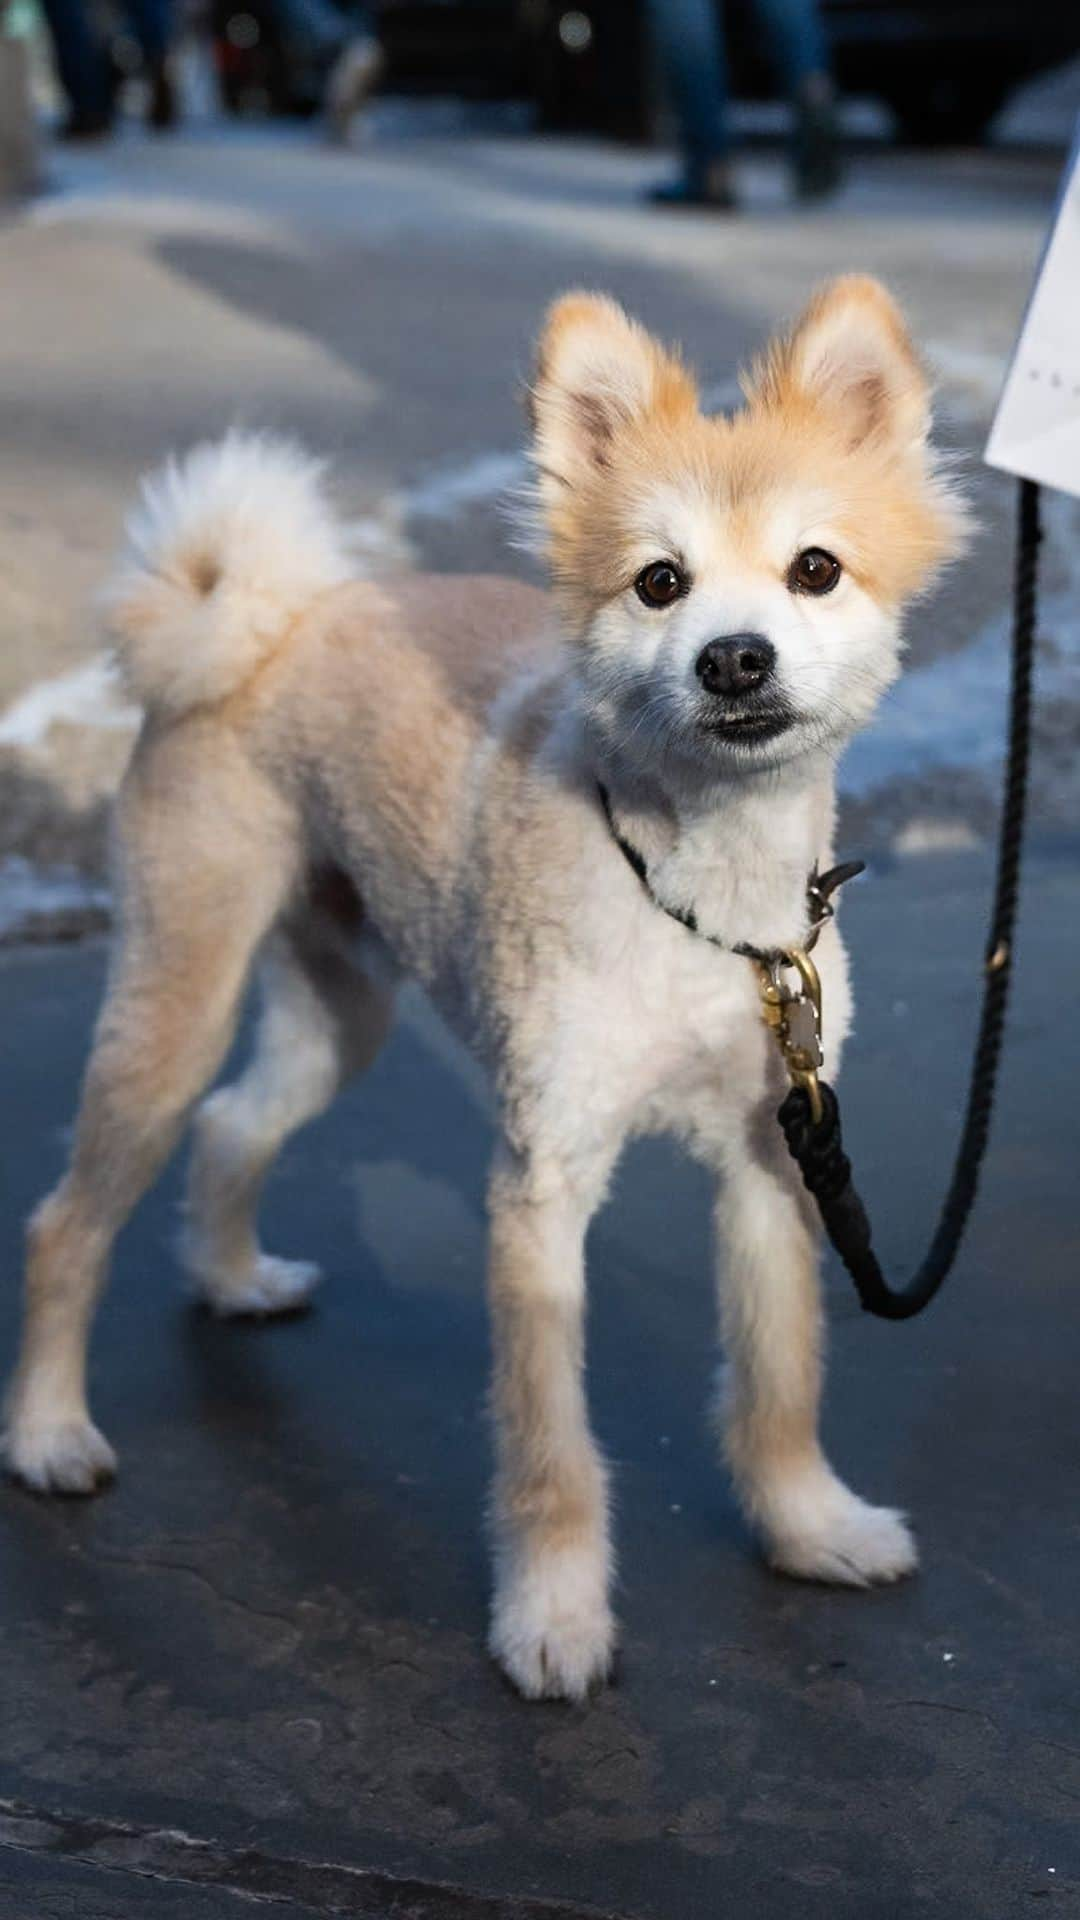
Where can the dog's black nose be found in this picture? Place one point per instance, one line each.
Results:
(736, 664)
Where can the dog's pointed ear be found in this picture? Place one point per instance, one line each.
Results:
(597, 374)
(851, 357)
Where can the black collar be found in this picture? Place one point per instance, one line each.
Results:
(819, 891)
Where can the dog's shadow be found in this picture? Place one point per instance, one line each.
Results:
(386, 1193)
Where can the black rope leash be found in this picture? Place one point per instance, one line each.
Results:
(817, 1145)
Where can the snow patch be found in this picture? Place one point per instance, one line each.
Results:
(382, 537)
(46, 900)
(447, 491)
(88, 696)
(953, 712)
(927, 835)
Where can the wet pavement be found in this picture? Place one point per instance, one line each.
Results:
(255, 1669)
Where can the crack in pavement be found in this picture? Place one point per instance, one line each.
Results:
(145, 1563)
(948, 1706)
(320, 1886)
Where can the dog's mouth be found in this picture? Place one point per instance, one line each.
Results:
(752, 727)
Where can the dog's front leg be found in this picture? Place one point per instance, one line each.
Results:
(772, 1331)
(552, 1628)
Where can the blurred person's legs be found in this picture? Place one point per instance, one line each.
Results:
(355, 74)
(152, 24)
(690, 41)
(83, 69)
(690, 44)
(799, 51)
(344, 45)
(314, 29)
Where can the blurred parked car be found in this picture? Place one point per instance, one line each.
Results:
(945, 67)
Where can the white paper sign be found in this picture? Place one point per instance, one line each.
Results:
(1036, 433)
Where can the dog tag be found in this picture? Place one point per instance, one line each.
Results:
(1036, 432)
(802, 1031)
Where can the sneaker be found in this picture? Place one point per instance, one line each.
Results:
(353, 79)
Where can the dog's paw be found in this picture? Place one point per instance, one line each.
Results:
(552, 1630)
(270, 1286)
(66, 1456)
(817, 1529)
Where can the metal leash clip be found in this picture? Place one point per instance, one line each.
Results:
(819, 896)
(794, 1017)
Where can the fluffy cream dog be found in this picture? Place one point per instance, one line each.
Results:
(351, 779)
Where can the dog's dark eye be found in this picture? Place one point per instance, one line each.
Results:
(659, 584)
(814, 571)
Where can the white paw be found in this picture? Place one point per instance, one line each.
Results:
(67, 1456)
(818, 1529)
(552, 1630)
(270, 1286)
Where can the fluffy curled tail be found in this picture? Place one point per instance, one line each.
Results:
(226, 548)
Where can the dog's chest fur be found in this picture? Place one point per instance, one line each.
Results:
(598, 1014)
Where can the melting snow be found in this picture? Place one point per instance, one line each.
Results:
(88, 696)
(953, 711)
(29, 895)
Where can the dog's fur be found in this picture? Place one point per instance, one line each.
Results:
(353, 779)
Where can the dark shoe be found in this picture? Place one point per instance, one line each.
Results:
(713, 189)
(85, 126)
(815, 154)
(161, 112)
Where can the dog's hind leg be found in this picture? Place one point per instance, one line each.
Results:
(208, 863)
(323, 1020)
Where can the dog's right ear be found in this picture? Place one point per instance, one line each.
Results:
(597, 375)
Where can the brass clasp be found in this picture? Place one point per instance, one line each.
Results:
(793, 1015)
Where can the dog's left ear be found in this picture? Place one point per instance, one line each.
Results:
(851, 356)
(597, 374)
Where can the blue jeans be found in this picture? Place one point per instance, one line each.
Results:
(320, 29)
(690, 40)
(81, 59)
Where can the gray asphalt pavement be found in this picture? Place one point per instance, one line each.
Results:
(255, 1668)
